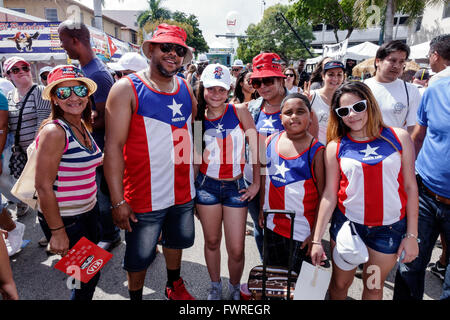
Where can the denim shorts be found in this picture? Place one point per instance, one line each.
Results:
(211, 191)
(176, 224)
(384, 239)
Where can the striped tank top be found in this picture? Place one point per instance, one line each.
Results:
(74, 186)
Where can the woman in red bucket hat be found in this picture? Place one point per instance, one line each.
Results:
(268, 80)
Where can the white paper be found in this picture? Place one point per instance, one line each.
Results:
(312, 283)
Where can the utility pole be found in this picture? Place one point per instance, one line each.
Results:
(295, 33)
(98, 19)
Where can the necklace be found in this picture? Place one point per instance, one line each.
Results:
(272, 105)
(155, 86)
(81, 131)
(219, 128)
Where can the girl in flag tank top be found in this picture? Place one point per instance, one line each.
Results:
(370, 181)
(221, 193)
(294, 181)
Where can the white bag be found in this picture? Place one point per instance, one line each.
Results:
(24, 188)
(312, 283)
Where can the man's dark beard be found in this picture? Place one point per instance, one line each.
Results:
(164, 72)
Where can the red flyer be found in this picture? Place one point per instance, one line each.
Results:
(84, 260)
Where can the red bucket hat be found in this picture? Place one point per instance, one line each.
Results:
(167, 33)
(63, 73)
(267, 65)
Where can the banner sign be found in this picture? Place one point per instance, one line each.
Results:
(335, 51)
(29, 37)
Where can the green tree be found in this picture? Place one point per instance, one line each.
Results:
(155, 12)
(387, 9)
(336, 13)
(195, 39)
(274, 35)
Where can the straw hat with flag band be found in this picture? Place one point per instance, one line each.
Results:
(63, 73)
(166, 33)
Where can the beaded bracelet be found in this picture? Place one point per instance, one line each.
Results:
(316, 242)
(411, 235)
(118, 204)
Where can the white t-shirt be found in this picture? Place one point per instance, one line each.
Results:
(393, 102)
(6, 86)
(322, 111)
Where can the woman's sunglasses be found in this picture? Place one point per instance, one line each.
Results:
(16, 70)
(64, 93)
(289, 74)
(168, 47)
(357, 107)
(256, 83)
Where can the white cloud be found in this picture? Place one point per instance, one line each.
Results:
(211, 13)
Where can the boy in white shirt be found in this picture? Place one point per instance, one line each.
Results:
(397, 99)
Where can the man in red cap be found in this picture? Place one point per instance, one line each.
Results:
(148, 160)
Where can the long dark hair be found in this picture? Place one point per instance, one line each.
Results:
(238, 93)
(316, 76)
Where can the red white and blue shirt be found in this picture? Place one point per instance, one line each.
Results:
(371, 190)
(290, 186)
(224, 154)
(158, 152)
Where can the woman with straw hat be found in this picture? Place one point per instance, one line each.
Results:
(67, 157)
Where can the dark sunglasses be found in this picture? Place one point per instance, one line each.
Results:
(357, 107)
(168, 47)
(237, 69)
(64, 93)
(16, 70)
(289, 74)
(256, 83)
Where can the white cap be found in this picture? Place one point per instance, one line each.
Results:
(350, 251)
(45, 69)
(216, 75)
(238, 63)
(202, 58)
(129, 61)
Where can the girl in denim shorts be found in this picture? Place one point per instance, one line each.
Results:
(370, 177)
(221, 193)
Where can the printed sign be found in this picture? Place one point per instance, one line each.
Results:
(84, 260)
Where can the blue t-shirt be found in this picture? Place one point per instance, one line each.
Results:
(3, 102)
(97, 71)
(432, 161)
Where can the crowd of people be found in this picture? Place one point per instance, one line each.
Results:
(140, 146)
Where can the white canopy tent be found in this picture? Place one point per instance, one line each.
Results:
(359, 52)
(419, 51)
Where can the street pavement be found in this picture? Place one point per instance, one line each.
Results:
(36, 279)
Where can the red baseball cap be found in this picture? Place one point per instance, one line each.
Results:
(63, 73)
(167, 33)
(267, 65)
(10, 62)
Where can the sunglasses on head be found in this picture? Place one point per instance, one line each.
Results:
(16, 70)
(168, 47)
(256, 83)
(64, 93)
(357, 107)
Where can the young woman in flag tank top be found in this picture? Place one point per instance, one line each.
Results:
(370, 181)
(294, 180)
(221, 193)
(66, 162)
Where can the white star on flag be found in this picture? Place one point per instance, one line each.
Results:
(175, 107)
(369, 151)
(219, 128)
(269, 122)
(281, 169)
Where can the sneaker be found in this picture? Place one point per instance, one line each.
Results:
(235, 291)
(438, 269)
(22, 209)
(215, 292)
(15, 238)
(178, 291)
(109, 245)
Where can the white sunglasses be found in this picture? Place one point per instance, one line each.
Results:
(357, 107)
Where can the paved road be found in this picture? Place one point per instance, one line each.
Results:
(36, 279)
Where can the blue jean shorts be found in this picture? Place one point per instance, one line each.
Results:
(384, 239)
(211, 191)
(176, 224)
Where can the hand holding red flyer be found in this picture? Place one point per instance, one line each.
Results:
(84, 260)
